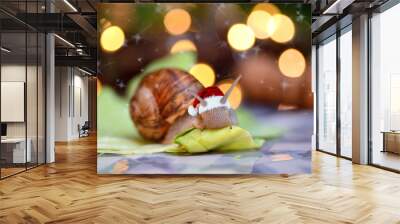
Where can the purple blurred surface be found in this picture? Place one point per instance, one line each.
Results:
(288, 154)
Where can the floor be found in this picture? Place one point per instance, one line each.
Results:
(5, 172)
(70, 191)
(10, 171)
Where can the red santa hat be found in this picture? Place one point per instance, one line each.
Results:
(211, 98)
(206, 93)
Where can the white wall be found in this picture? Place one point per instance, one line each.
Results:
(33, 127)
(80, 102)
(12, 101)
(16, 73)
(71, 94)
(62, 80)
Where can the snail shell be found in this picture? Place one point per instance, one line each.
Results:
(161, 100)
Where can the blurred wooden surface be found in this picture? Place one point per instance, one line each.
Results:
(70, 191)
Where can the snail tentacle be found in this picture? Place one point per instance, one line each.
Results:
(230, 90)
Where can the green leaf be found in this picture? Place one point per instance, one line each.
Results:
(225, 139)
(113, 116)
(241, 142)
(195, 141)
(124, 146)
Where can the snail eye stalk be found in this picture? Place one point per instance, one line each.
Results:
(230, 90)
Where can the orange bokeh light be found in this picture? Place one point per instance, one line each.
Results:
(281, 28)
(177, 21)
(235, 99)
(259, 21)
(267, 7)
(204, 73)
(292, 63)
(183, 45)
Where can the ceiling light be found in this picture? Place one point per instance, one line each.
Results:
(65, 41)
(70, 5)
(338, 6)
(84, 71)
(333, 6)
(5, 50)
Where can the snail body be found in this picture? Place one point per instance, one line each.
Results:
(167, 103)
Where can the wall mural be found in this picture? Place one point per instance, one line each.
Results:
(189, 88)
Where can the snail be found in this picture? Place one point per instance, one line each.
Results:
(170, 101)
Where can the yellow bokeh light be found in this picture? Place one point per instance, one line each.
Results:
(292, 63)
(112, 38)
(99, 87)
(241, 37)
(236, 96)
(204, 73)
(272, 25)
(267, 7)
(177, 21)
(183, 45)
(281, 28)
(259, 22)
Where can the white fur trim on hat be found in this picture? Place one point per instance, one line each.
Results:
(192, 111)
(212, 102)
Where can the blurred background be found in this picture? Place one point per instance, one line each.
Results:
(268, 44)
